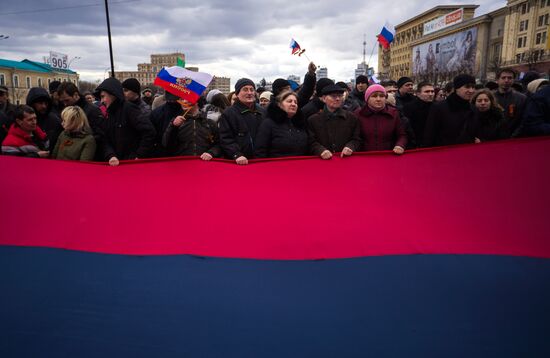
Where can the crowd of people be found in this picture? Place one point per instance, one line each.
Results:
(320, 118)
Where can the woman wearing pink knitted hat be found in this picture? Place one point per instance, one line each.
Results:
(381, 127)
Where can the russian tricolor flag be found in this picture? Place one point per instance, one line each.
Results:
(386, 36)
(186, 84)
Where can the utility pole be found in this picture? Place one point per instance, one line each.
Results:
(364, 47)
(110, 42)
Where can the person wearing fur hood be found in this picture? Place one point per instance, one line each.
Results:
(283, 133)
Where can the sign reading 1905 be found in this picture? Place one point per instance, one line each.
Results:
(58, 60)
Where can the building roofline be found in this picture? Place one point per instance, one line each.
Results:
(439, 7)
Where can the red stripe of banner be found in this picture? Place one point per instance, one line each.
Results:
(477, 199)
(177, 90)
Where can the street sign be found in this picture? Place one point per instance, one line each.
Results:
(59, 60)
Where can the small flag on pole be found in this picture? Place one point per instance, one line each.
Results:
(188, 85)
(296, 49)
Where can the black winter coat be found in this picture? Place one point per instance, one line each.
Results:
(161, 117)
(490, 125)
(451, 121)
(333, 132)
(49, 122)
(417, 112)
(238, 128)
(279, 136)
(195, 136)
(358, 98)
(313, 107)
(537, 114)
(128, 134)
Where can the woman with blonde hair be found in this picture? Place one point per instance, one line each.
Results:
(76, 142)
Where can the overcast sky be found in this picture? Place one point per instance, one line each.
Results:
(225, 38)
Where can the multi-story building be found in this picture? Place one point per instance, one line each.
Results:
(221, 83)
(526, 45)
(322, 72)
(147, 72)
(424, 48)
(20, 76)
(397, 61)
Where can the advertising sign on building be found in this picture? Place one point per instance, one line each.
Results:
(444, 21)
(58, 60)
(449, 54)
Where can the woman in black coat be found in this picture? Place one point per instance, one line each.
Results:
(489, 117)
(283, 133)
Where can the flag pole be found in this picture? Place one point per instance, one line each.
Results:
(371, 53)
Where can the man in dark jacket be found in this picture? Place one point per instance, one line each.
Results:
(39, 99)
(128, 133)
(56, 106)
(404, 93)
(316, 105)
(452, 121)
(333, 129)
(69, 95)
(161, 117)
(132, 93)
(510, 100)
(7, 112)
(240, 122)
(536, 120)
(358, 93)
(192, 134)
(417, 112)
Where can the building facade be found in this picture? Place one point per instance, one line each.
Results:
(526, 45)
(514, 36)
(221, 83)
(147, 72)
(322, 72)
(20, 76)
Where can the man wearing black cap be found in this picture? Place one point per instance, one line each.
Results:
(240, 122)
(333, 129)
(404, 93)
(132, 93)
(358, 93)
(316, 104)
(7, 112)
(452, 121)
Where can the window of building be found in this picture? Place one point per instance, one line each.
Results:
(523, 25)
(540, 38)
(49, 81)
(15, 81)
(29, 85)
(2, 79)
(524, 8)
(543, 20)
(39, 82)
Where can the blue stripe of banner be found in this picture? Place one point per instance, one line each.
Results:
(387, 34)
(62, 303)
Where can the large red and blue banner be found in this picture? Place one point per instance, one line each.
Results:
(439, 252)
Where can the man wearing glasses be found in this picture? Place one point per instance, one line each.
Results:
(333, 129)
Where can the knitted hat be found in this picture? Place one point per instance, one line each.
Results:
(322, 83)
(343, 85)
(243, 82)
(463, 80)
(374, 88)
(132, 84)
(267, 95)
(401, 82)
(533, 86)
(278, 85)
(211, 95)
(361, 79)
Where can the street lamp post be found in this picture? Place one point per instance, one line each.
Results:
(76, 58)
